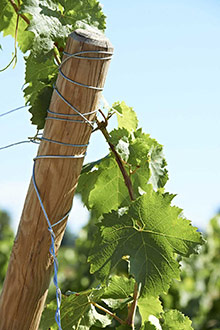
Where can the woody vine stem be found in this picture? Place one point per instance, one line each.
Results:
(101, 125)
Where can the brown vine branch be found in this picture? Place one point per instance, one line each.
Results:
(132, 310)
(17, 12)
(102, 127)
(108, 312)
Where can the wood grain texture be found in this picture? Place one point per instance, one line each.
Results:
(31, 265)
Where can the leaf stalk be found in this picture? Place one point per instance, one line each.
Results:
(108, 312)
(17, 12)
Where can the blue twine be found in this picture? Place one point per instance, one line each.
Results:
(57, 117)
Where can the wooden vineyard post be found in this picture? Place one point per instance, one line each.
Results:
(31, 265)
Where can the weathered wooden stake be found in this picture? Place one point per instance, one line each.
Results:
(31, 265)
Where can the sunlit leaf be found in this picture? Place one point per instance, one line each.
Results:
(77, 312)
(127, 117)
(149, 306)
(174, 319)
(150, 233)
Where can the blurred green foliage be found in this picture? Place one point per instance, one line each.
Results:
(197, 295)
(6, 241)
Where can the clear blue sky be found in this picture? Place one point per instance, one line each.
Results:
(167, 66)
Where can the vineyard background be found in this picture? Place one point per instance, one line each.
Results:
(166, 66)
(197, 295)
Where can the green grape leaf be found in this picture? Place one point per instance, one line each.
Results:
(126, 116)
(91, 166)
(93, 318)
(148, 326)
(77, 312)
(143, 161)
(45, 24)
(119, 287)
(120, 139)
(122, 149)
(139, 149)
(139, 178)
(139, 173)
(144, 156)
(119, 134)
(109, 191)
(89, 12)
(118, 292)
(145, 151)
(105, 187)
(157, 163)
(8, 21)
(149, 306)
(40, 77)
(6, 14)
(174, 319)
(40, 106)
(149, 234)
(86, 184)
(48, 316)
(93, 176)
(52, 22)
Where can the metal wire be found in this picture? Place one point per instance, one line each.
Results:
(13, 110)
(17, 143)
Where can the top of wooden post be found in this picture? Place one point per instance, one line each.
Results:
(92, 36)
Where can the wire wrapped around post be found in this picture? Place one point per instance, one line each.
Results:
(85, 121)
